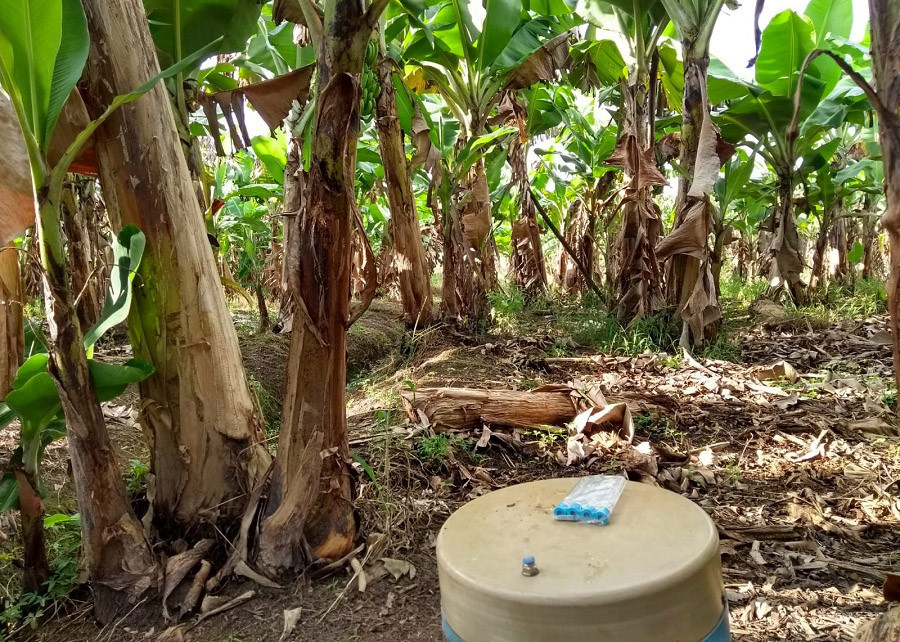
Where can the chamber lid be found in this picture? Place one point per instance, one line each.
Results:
(655, 538)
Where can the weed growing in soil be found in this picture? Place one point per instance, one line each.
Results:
(657, 332)
(440, 448)
(837, 302)
(657, 427)
(26, 610)
(724, 348)
(549, 436)
(434, 448)
(269, 406)
(506, 304)
(136, 476)
(735, 289)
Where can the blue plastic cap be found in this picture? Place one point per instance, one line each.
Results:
(528, 560)
(604, 515)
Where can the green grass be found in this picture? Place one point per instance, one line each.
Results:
(506, 303)
(601, 331)
(724, 348)
(657, 427)
(434, 448)
(839, 302)
(740, 292)
(24, 611)
(440, 448)
(136, 476)
(268, 404)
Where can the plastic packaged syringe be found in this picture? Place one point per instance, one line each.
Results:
(592, 500)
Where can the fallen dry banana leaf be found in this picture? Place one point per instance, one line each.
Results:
(228, 605)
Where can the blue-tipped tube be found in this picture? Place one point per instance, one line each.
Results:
(591, 501)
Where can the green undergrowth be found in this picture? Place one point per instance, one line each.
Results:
(440, 448)
(740, 293)
(841, 302)
(268, 404)
(586, 322)
(24, 611)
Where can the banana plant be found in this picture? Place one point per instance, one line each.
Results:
(729, 190)
(34, 400)
(470, 63)
(764, 114)
(638, 283)
(837, 189)
(691, 282)
(577, 162)
(45, 48)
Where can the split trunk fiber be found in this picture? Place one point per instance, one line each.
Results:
(409, 252)
(638, 280)
(12, 318)
(527, 255)
(196, 409)
(787, 263)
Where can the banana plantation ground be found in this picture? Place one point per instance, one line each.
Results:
(781, 431)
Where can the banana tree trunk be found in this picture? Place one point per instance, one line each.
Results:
(638, 279)
(717, 257)
(205, 435)
(579, 234)
(12, 318)
(869, 238)
(575, 221)
(309, 511)
(527, 260)
(692, 284)
(35, 566)
(684, 269)
(818, 263)
(409, 252)
(786, 263)
(843, 269)
(447, 221)
(527, 255)
(264, 321)
(117, 556)
(88, 277)
(479, 249)
(885, 26)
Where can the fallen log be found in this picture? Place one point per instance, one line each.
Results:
(469, 408)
